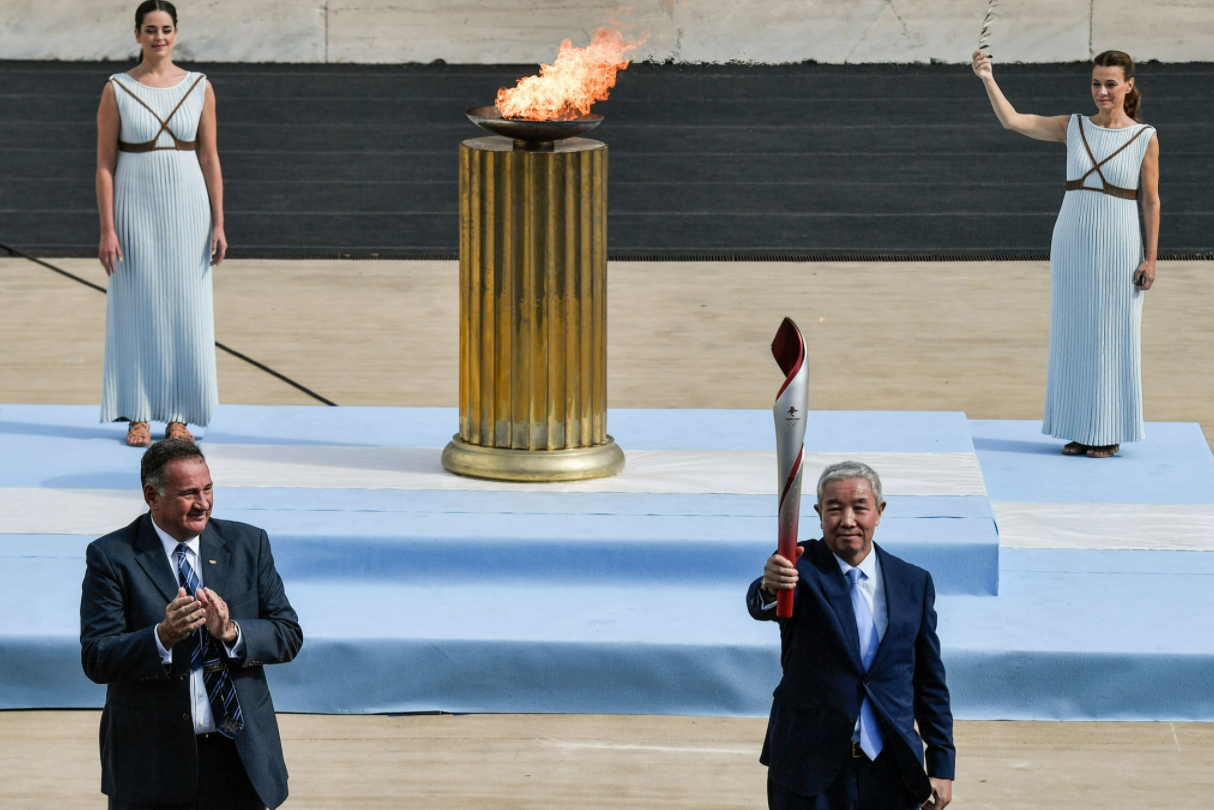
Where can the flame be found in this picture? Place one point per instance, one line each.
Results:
(566, 89)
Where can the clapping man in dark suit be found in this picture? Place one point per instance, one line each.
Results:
(861, 665)
(178, 615)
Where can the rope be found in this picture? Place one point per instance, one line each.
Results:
(218, 345)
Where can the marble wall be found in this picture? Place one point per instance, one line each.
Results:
(528, 31)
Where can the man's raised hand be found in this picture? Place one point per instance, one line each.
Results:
(779, 574)
(182, 616)
(219, 622)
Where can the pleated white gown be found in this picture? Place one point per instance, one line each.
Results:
(160, 323)
(1094, 390)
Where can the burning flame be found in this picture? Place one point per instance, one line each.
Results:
(567, 88)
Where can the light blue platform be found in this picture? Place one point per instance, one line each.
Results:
(421, 533)
(405, 536)
(1173, 465)
(633, 603)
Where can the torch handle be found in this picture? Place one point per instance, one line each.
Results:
(788, 550)
(784, 604)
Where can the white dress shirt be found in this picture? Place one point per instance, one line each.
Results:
(200, 706)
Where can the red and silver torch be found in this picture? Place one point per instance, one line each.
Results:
(790, 411)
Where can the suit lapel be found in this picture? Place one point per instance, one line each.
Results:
(834, 587)
(149, 551)
(214, 559)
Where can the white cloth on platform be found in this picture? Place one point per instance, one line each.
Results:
(1094, 388)
(159, 322)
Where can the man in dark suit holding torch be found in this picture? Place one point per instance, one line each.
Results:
(861, 665)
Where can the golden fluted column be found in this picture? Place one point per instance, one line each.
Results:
(533, 313)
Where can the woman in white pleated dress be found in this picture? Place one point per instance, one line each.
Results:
(160, 197)
(1098, 267)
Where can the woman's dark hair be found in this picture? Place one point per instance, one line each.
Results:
(1133, 99)
(147, 7)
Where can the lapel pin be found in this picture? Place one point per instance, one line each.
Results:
(212, 562)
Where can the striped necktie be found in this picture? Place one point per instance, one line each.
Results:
(221, 692)
(871, 739)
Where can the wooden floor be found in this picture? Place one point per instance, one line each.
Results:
(969, 337)
(537, 762)
(917, 336)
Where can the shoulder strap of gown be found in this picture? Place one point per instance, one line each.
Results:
(131, 93)
(1095, 164)
(1124, 145)
(164, 122)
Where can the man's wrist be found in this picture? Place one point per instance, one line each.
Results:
(232, 635)
(165, 641)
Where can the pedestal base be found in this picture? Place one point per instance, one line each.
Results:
(540, 466)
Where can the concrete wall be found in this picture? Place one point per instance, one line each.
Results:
(529, 31)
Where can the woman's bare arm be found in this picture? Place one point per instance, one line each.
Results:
(109, 124)
(1149, 196)
(208, 159)
(1038, 127)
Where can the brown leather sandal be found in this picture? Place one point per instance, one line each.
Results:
(1103, 451)
(138, 435)
(1075, 449)
(176, 430)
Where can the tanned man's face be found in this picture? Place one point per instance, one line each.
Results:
(185, 507)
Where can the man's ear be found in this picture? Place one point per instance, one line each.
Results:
(150, 495)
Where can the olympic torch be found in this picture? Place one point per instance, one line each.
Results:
(790, 411)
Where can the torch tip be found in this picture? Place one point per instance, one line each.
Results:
(788, 347)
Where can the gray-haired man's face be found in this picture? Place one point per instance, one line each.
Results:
(850, 514)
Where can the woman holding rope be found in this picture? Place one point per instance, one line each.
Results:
(1098, 268)
(160, 197)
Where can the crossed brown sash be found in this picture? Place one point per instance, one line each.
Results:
(150, 146)
(1107, 187)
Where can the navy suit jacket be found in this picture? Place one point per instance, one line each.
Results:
(818, 700)
(148, 754)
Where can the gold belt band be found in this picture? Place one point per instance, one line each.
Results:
(1112, 191)
(181, 146)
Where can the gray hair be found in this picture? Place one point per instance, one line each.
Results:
(846, 471)
(158, 456)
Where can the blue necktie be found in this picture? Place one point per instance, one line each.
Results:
(220, 691)
(871, 741)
